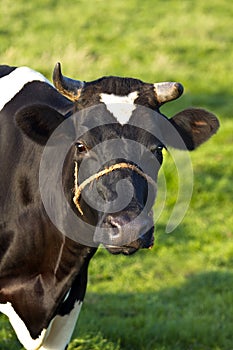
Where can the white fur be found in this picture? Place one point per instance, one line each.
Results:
(12, 83)
(121, 107)
(20, 328)
(60, 330)
(56, 337)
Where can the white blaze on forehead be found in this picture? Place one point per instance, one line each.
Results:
(12, 83)
(121, 107)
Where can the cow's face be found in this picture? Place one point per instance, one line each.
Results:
(122, 163)
(111, 168)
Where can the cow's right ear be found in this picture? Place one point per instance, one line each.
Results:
(38, 122)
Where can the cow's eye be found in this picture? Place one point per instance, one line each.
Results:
(156, 148)
(81, 147)
(159, 148)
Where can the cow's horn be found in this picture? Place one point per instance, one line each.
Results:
(68, 87)
(167, 91)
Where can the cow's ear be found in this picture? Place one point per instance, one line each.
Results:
(195, 126)
(38, 122)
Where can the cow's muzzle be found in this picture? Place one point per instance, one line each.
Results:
(125, 235)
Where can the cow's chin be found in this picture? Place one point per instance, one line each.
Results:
(125, 250)
(146, 242)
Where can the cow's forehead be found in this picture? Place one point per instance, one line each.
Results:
(121, 133)
(116, 85)
(119, 95)
(121, 107)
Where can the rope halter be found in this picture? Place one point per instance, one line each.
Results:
(79, 188)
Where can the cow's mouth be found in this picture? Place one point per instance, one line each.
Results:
(125, 250)
(145, 242)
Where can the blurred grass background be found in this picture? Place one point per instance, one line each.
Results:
(179, 295)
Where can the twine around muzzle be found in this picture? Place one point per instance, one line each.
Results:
(79, 188)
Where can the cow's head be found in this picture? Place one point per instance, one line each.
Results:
(110, 171)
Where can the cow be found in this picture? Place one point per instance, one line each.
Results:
(113, 126)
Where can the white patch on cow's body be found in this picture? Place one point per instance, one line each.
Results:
(60, 330)
(20, 328)
(12, 83)
(121, 107)
(56, 337)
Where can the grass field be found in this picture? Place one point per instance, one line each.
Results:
(179, 295)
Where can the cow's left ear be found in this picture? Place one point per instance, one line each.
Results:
(38, 122)
(195, 126)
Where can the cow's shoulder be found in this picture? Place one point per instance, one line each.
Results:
(21, 86)
(5, 70)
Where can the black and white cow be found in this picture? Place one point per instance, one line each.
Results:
(43, 270)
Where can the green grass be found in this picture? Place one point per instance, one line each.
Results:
(178, 296)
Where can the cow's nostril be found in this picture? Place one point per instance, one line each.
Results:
(115, 225)
(119, 220)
